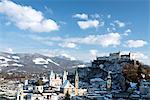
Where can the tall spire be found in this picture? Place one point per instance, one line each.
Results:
(51, 77)
(65, 75)
(76, 82)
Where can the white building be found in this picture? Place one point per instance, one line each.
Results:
(37, 93)
(145, 87)
(67, 87)
(55, 80)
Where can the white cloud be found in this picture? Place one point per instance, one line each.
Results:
(81, 16)
(95, 15)
(109, 16)
(139, 56)
(93, 53)
(111, 29)
(108, 30)
(68, 45)
(62, 23)
(43, 40)
(110, 39)
(68, 56)
(9, 50)
(119, 23)
(48, 10)
(103, 40)
(25, 17)
(135, 43)
(126, 33)
(8, 23)
(49, 43)
(88, 24)
(112, 24)
(142, 57)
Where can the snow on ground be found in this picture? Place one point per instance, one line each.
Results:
(4, 59)
(45, 66)
(16, 57)
(80, 66)
(12, 69)
(4, 65)
(49, 60)
(15, 64)
(40, 61)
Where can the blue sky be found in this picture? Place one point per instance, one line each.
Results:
(81, 29)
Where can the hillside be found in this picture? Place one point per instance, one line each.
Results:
(25, 62)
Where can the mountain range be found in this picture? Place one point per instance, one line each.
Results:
(34, 63)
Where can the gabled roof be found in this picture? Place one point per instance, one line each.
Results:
(67, 84)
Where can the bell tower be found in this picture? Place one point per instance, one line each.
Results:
(109, 81)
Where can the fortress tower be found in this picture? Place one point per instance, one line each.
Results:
(109, 81)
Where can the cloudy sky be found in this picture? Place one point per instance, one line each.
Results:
(80, 29)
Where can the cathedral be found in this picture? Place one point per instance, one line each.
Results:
(44, 91)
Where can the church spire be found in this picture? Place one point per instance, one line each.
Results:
(51, 77)
(65, 75)
(76, 82)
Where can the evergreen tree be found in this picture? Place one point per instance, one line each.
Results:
(39, 82)
(67, 96)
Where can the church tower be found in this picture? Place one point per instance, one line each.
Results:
(20, 92)
(51, 77)
(109, 81)
(65, 75)
(76, 82)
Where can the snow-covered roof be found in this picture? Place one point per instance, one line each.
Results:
(96, 79)
(133, 84)
(67, 84)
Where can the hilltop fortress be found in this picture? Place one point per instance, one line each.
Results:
(101, 66)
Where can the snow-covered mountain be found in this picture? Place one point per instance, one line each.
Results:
(24, 62)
